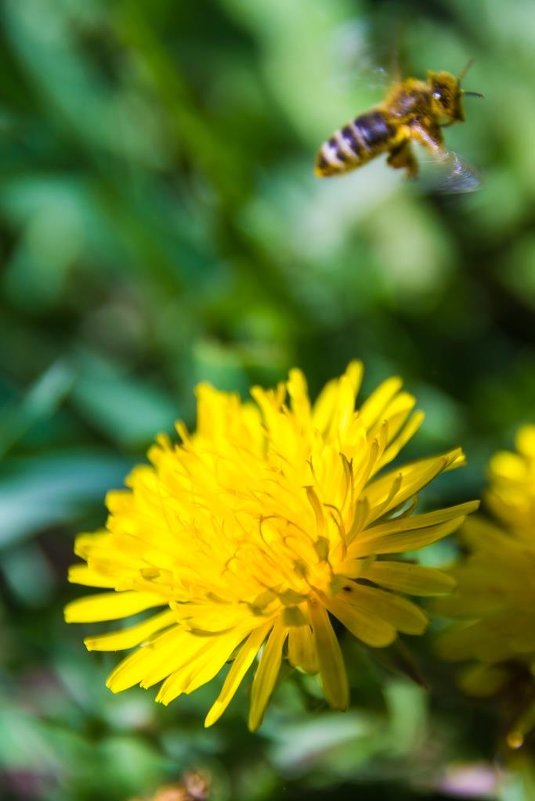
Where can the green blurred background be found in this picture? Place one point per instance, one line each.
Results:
(161, 225)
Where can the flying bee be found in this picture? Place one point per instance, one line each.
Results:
(413, 111)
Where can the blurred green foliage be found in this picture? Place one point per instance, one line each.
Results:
(161, 225)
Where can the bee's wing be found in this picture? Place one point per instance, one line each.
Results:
(450, 174)
(357, 62)
(459, 176)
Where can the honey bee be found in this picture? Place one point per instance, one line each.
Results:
(413, 111)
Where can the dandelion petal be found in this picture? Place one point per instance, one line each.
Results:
(330, 660)
(238, 669)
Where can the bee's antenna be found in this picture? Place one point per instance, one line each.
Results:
(461, 77)
(396, 54)
(465, 69)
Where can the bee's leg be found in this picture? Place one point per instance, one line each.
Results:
(402, 157)
(429, 137)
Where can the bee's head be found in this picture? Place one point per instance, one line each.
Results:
(446, 97)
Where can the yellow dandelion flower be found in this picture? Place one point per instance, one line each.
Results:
(252, 534)
(511, 495)
(494, 600)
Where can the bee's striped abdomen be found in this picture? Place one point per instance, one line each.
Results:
(354, 144)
